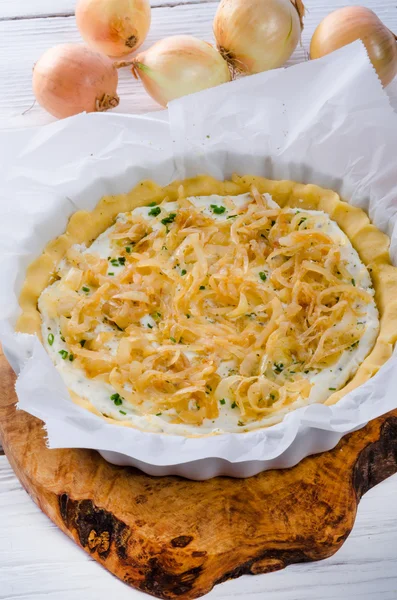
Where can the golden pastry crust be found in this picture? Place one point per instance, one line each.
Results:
(371, 244)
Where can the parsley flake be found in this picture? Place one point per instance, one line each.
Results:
(223, 401)
(217, 210)
(154, 212)
(117, 399)
(170, 219)
(263, 275)
(50, 338)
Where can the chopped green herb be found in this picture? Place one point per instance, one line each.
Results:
(173, 340)
(169, 219)
(273, 223)
(50, 338)
(208, 136)
(234, 405)
(202, 287)
(82, 343)
(183, 272)
(117, 399)
(128, 249)
(306, 372)
(85, 288)
(263, 275)
(278, 367)
(240, 424)
(272, 396)
(154, 212)
(114, 262)
(122, 260)
(188, 316)
(71, 357)
(232, 216)
(332, 389)
(223, 401)
(122, 412)
(153, 204)
(64, 354)
(218, 210)
(354, 345)
(353, 281)
(302, 221)
(62, 338)
(150, 326)
(159, 414)
(111, 274)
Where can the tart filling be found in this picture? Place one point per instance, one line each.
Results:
(210, 314)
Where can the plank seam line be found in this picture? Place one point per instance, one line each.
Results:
(71, 13)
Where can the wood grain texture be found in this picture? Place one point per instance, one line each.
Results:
(46, 565)
(174, 538)
(25, 40)
(25, 9)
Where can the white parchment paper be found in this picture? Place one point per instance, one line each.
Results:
(326, 122)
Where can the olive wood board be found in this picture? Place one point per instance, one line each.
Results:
(175, 538)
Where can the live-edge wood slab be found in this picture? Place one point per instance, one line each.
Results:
(175, 538)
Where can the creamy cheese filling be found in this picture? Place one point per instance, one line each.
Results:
(324, 381)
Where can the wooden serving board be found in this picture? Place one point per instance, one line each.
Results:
(175, 538)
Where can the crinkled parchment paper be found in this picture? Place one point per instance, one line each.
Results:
(326, 122)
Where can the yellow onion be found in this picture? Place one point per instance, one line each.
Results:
(177, 66)
(257, 35)
(71, 78)
(114, 27)
(352, 23)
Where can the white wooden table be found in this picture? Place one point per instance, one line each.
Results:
(36, 560)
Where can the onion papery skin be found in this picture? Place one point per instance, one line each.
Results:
(178, 66)
(352, 23)
(70, 79)
(114, 27)
(255, 36)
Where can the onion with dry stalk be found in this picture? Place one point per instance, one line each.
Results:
(70, 79)
(255, 36)
(114, 27)
(351, 23)
(177, 66)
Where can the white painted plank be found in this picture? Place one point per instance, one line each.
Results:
(26, 40)
(37, 561)
(21, 9)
